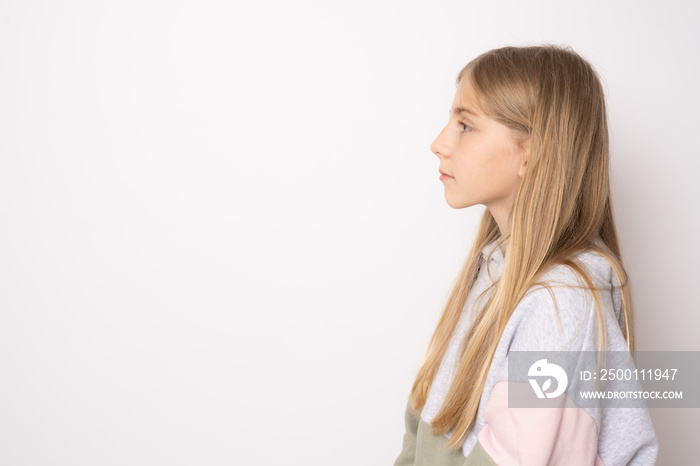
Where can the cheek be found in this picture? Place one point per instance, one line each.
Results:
(477, 163)
(487, 167)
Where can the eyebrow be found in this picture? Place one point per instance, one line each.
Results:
(459, 110)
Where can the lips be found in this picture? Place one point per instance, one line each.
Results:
(443, 173)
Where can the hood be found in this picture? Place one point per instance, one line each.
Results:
(600, 269)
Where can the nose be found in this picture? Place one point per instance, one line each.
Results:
(440, 145)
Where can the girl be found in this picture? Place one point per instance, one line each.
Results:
(527, 137)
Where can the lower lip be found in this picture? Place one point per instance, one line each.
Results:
(445, 177)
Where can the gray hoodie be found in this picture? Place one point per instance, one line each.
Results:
(536, 436)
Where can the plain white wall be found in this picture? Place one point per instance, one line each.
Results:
(223, 239)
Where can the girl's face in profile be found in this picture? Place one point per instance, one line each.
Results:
(481, 161)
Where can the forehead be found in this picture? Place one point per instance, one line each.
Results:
(464, 101)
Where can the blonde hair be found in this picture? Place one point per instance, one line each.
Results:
(562, 207)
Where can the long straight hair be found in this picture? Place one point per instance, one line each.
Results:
(562, 207)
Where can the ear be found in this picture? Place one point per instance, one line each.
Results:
(524, 156)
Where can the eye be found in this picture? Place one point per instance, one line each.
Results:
(465, 127)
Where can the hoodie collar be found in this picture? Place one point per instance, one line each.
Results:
(495, 251)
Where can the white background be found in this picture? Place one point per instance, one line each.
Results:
(223, 240)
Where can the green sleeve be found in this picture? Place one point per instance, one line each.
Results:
(407, 457)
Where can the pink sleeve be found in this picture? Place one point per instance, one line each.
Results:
(538, 436)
